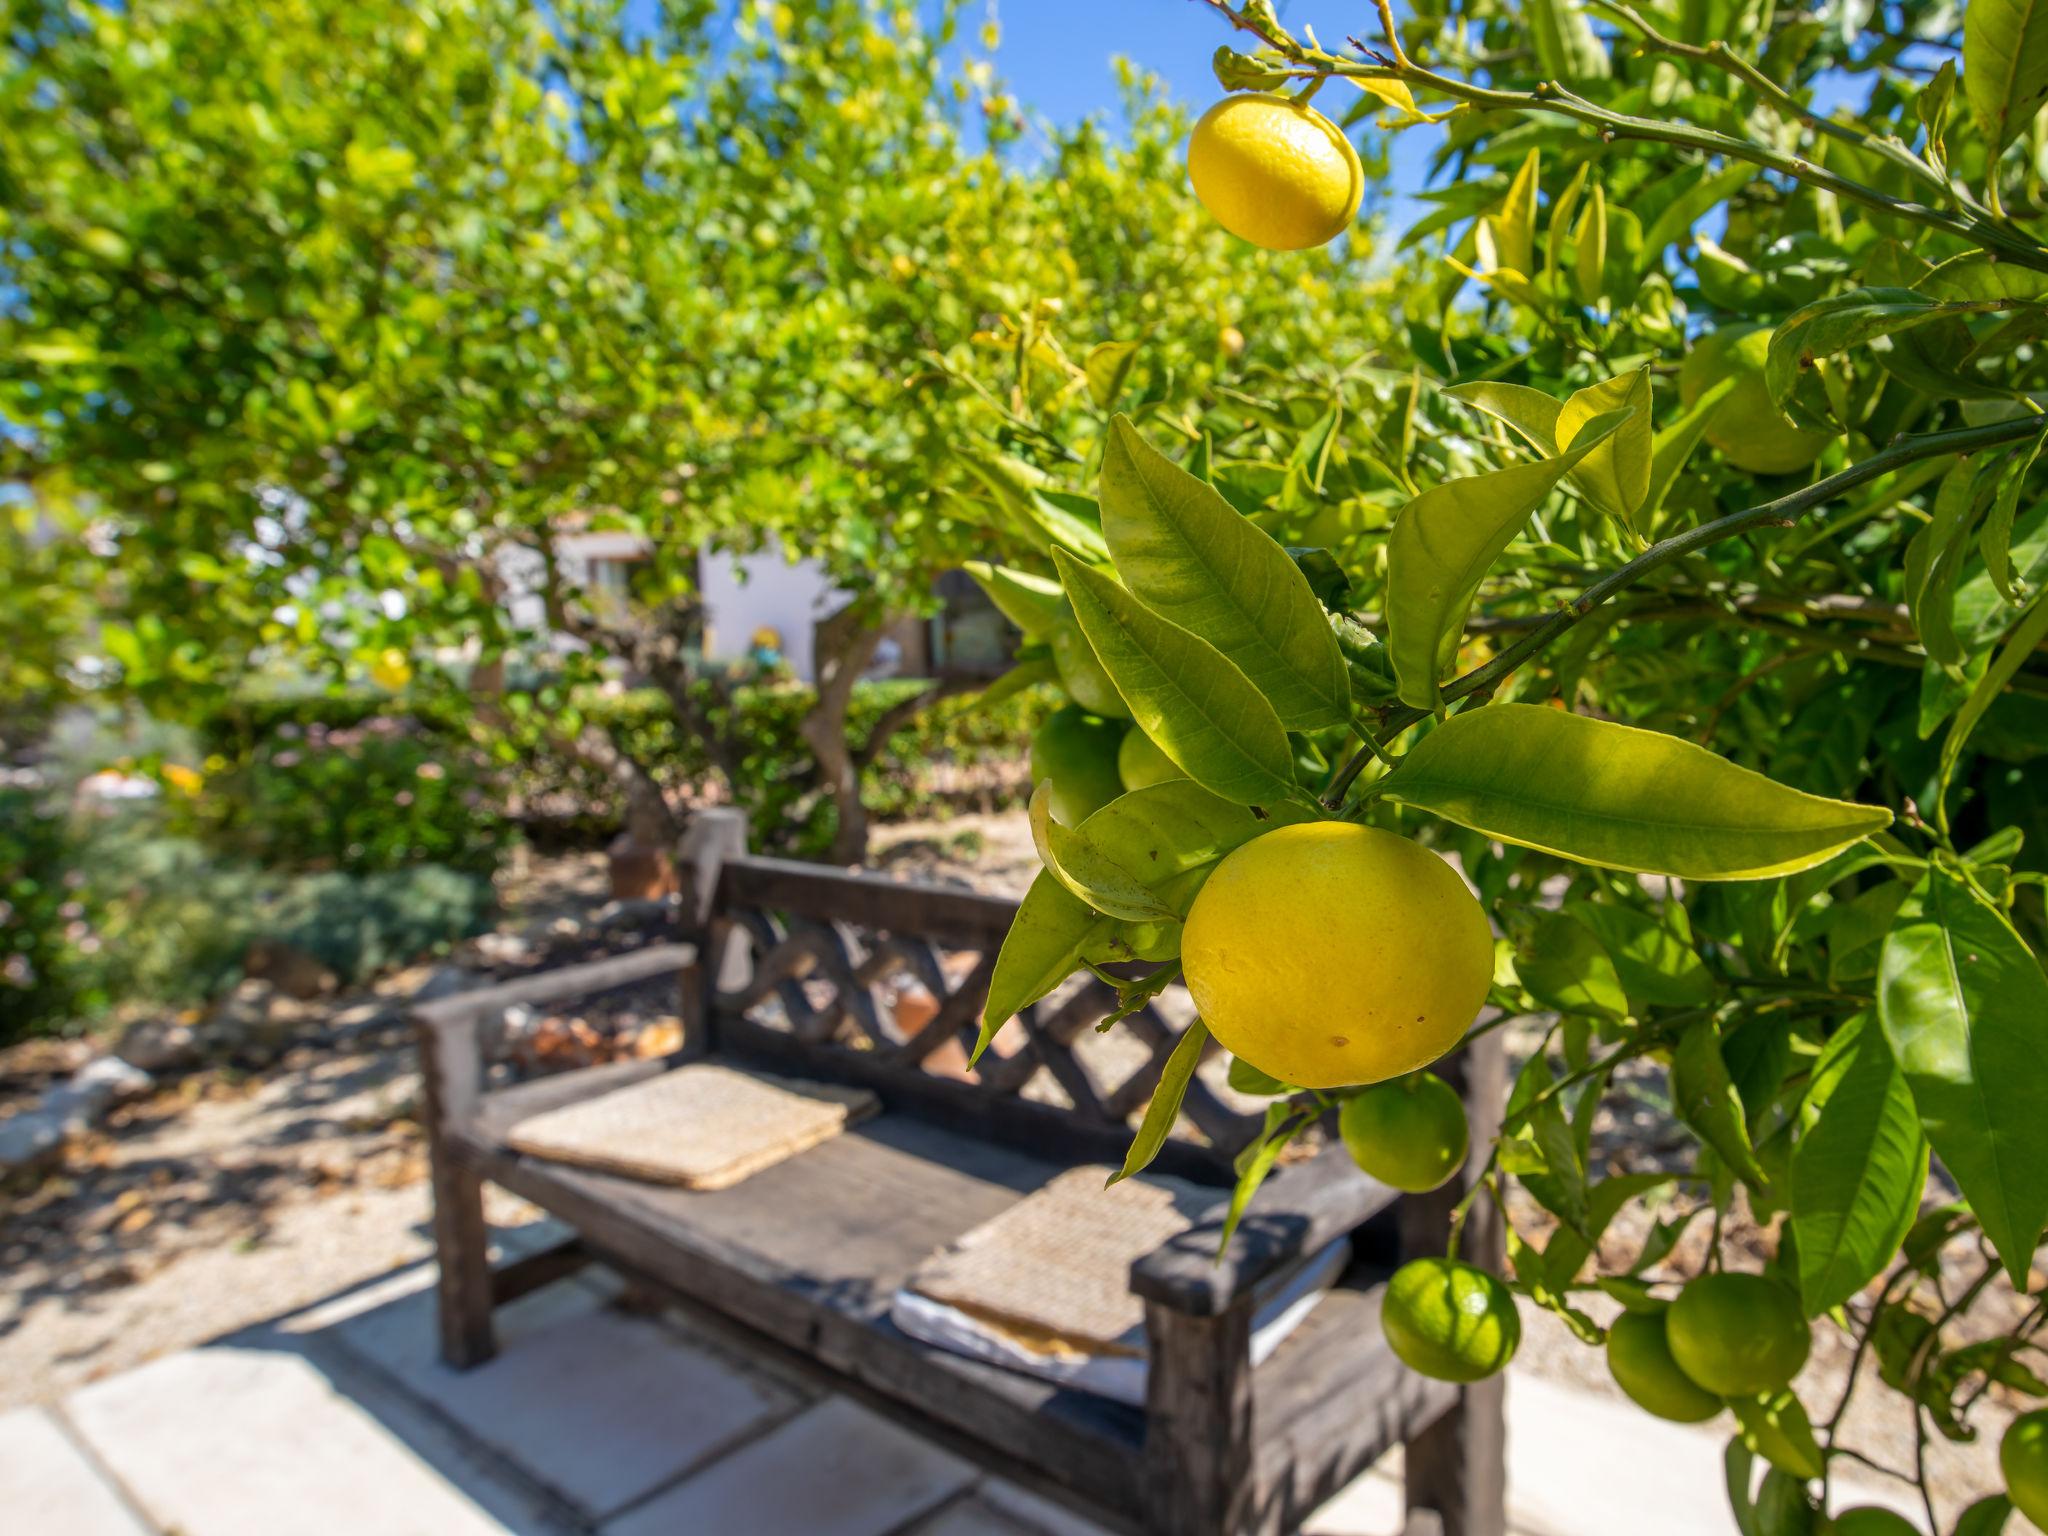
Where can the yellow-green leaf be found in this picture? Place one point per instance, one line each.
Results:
(1164, 1107)
(1197, 708)
(1042, 949)
(1530, 412)
(1033, 603)
(1200, 563)
(1086, 870)
(1615, 476)
(1514, 222)
(2005, 67)
(1441, 547)
(1108, 365)
(1623, 798)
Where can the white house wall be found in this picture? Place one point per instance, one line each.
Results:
(744, 593)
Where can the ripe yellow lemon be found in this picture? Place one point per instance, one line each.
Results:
(1747, 428)
(1450, 1321)
(1274, 172)
(390, 669)
(1738, 1335)
(1328, 954)
(1141, 764)
(2023, 1458)
(1409, 1134)
(1077, 751)
(1639, 1356)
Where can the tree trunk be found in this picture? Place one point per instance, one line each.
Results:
(846, 644)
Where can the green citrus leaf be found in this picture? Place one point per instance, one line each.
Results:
(1198, 708)
(1108, 365)
(1674, 445)
(2027, 637)
(1564, 967)
(1567, 47)
(1976, 275)
(1615, 476)
(1529, 411)
(1442, 545)
(1995, 542)
(1776, 1427)
(1511, 227)
(1846, 320)
(1623, 798)
(1028, 673)
(1655, 965)
(1589, 258)
(1705, 1098)
(1858, 1173)
(1164, 1107)
(2005, 67)
(1087, 871)
(1035, 604)
(1165, 831)
(1198, 562)
(1042, 949)
(1964, 1007)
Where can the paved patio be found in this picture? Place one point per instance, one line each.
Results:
(595, 1418)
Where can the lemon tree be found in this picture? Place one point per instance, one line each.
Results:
(1681, 616)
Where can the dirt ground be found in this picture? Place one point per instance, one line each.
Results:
(224, 1199)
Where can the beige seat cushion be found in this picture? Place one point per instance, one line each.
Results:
(701, 1126)
(1053, 1271)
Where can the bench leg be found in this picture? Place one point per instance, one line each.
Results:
(463, 1245)
(1457, 1482)
(1198, 1446)
(1457, 1468)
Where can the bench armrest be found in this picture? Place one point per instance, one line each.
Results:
(1299, 1209)
(450, 1030)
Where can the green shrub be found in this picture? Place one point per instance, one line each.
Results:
(112, 909)
(340, 782)
(776, 776)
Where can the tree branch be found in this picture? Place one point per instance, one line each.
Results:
(1782, 513)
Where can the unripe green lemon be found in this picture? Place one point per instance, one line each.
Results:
(1274, 172)
(1077, 751)
(1870, 1520)
(1141, 764)
(1450, 1321)
(1410, 1134)
(1330, 954)
(2023, 1458)
(1738, 1335)
(1639, 1356)
(1082, 675)
(1747, 428)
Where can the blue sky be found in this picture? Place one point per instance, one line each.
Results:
(1056, 56)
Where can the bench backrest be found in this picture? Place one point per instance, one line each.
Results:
(801, 963)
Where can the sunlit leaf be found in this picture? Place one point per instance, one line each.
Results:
(1613, 795)
(1964, 1006)
(1198, 708)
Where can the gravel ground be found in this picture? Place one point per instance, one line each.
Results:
(225, 1200)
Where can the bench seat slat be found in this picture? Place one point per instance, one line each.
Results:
(810, 1252)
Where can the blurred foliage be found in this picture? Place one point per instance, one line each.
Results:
(324, 318)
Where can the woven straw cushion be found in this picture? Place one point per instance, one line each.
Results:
(702, 1126)
(1053, 1271)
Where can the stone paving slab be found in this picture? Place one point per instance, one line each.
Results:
(835, 1470)
(246, 1441)
(602, 1407)
(48, 1486)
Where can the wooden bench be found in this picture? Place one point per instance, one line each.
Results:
(781, 972)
